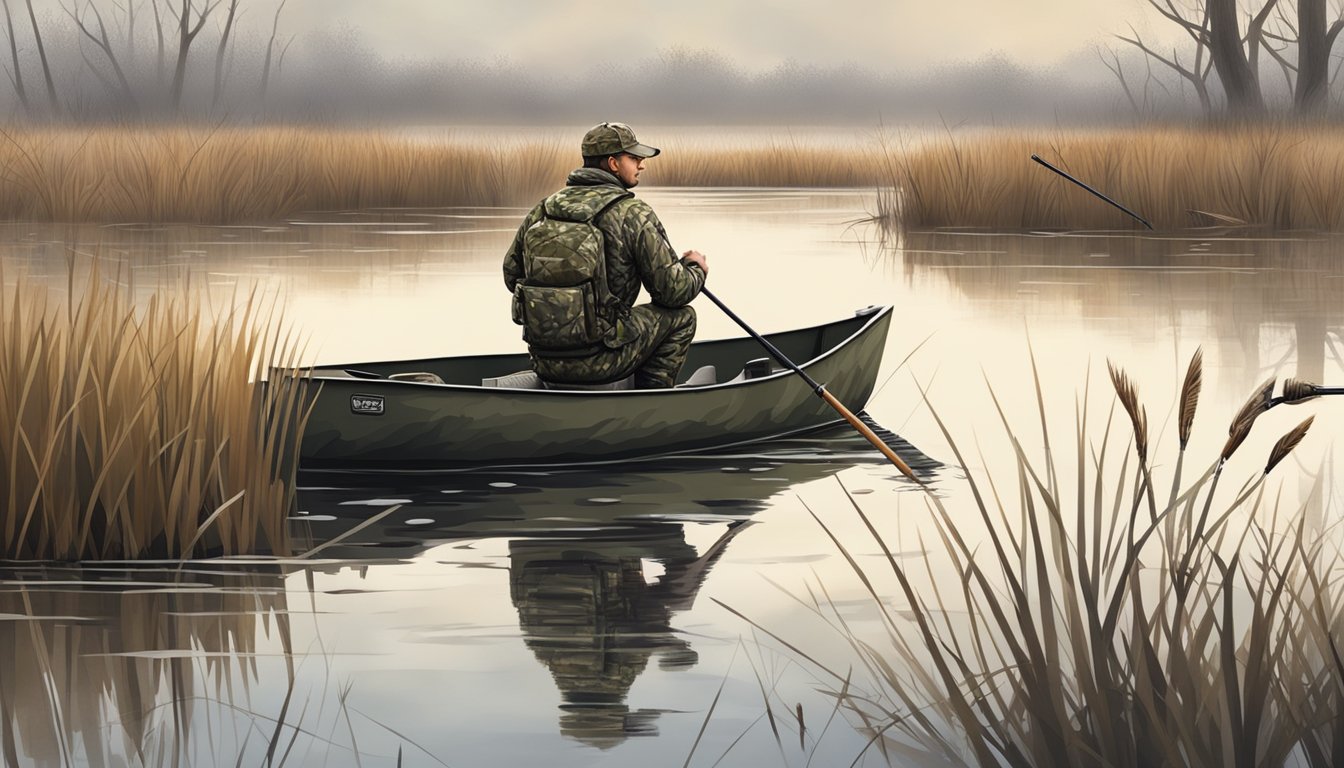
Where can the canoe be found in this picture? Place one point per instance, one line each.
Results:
(444, 413)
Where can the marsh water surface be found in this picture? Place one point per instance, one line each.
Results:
(579, 618)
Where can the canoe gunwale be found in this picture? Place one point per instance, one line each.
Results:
(873, 317)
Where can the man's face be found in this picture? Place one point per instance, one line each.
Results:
(627, 168)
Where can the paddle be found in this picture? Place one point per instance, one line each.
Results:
(1142, 220)
(818, 389)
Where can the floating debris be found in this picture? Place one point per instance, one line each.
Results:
(375, 502)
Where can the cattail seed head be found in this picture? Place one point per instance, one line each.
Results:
(1287, 443)
(1258, 403)
(1129, 398)
(1194, 379)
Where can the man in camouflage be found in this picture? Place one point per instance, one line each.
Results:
(649, 341)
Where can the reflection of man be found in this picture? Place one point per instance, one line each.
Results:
(576, 266)
(590, 617)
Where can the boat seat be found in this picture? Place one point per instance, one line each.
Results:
(420, 377)
(521, 380)
(627, 383)
(704, 376)
(755, 369)
(530, 380)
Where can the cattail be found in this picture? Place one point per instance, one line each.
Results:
(1129, 398)
(1258, 403)
(1298, 391)
(1287, 443)
(1194, 378)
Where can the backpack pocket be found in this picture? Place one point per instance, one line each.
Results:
(517, 305)
(559, 318)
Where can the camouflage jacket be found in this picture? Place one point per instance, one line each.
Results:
(637, 249)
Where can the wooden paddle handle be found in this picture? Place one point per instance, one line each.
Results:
(870, 434)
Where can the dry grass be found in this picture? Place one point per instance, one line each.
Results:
(772, 164)
(1103, 626)
(1275, 177)
(233, 175)
(130, 433)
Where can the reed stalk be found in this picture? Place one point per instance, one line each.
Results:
(1053, 646)
(1281, 177)
(236, 175)
(143, 432)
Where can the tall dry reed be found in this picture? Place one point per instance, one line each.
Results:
(1280, 177)
(1127, 620)
(231, 175)
(142, 433)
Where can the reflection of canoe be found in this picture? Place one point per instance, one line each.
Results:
(378, 423)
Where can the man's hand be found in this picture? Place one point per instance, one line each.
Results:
(698, 259)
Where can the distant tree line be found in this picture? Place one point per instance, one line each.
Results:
(1228, 45)
(140, 54)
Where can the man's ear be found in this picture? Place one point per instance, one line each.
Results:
(611, 163)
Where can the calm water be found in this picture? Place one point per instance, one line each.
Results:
(578, 618)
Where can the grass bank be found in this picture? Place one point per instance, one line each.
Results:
(235, 175)
(1107, 605)
(1272, 177)
(141, 433)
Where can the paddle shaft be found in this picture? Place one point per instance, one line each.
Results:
(818, 389)
(1140, 219)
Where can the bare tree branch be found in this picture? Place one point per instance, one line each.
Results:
(270, 48)
(1168, 9)
(219, 52)
(160, 68)
(186, 35)
(16, 76)
(1119, 71)
(1254, 38)
(42, 54)
(104, 44)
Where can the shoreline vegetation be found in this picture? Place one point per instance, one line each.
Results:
(233, 175)
(1107, 605)
(1287, 177)
(135, 432)
(1284, 177)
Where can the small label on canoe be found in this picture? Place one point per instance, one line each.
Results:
(370, 405)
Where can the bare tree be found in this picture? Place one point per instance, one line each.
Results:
(1314, 43)
(160, 68)
(1300, 42)
(1235, 57)
(46, 66)
(270, 49)
(187, 30)
(219, 52)
(103, 42)
(16, 77)
(1197, 73)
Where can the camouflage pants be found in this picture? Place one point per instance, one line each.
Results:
(662, 337)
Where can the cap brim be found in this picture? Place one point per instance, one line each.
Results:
(642, 150)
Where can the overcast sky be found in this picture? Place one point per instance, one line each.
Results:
(877, 34)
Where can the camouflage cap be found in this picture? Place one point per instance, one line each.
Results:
(614, 138)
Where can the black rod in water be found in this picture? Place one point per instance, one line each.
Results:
(1140, 219)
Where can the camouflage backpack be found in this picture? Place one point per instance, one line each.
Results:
(563, 302)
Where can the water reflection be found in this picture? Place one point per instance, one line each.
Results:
(101, 665)
(1246, 287)
(599, 562)
(590, 615)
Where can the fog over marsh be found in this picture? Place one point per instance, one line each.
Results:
(338, 63)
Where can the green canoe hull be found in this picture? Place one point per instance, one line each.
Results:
(386, 425)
